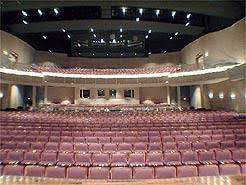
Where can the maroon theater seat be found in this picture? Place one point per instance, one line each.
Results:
(121, 173)
(83, 159)
(190, 158)
(187, 171)
(98, 173)
(31, 158)
(100, 159)
(154, 159)
(33, 170)
(15, 170)
(77, 172)
(208, 170)
(172, 158)
(109, 148)
(143, 172)
(65, 159)
(55, 172)
(229, 169)
(48, 159)
(165, 172)
(207, 157)
(119, 159)
(14, 157)
(136, 159)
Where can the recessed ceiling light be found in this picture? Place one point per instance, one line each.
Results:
(173, 13)
(79, 45)
(63, 30)
(164, 51)
(94, 35)
(123, 10)
(68, 36)
(135, 53)
(92, 30)
(149, 53)
(188, 16)
(149, 31)
(141, 11)
(121, 29)
(121, 54)
(137, 19)
(176, 33)
(146, 36)
(157, 12)
(44, 37)
(56, 11)
(24, 13)
(24, 22)
(187, 24)
(93, 54)
(40, 12)
(166, 82)
(171, 38)
(50, 51)
(107, 54)
(120, 36)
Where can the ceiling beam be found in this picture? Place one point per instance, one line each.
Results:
(225, 9)
(105, 25)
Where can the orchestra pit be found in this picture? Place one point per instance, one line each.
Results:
(126, 92)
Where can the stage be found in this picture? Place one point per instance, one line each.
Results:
(216, 180)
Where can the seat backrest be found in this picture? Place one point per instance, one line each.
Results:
(121, 173)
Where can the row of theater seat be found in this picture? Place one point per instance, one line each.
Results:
(35, 137)
(147, 70)
(123, 172)
(123, 159)
(121, 147)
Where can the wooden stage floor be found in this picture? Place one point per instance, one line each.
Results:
(218, 180)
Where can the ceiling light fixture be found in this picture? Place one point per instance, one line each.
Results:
(93, 54)
(50, 52)
(107, 54)
(141, 11)
(187, 24)
(92, 30)
(173, 13)
(24, 13)
(188, 16)
(44, 37)
(171, 38)
(56, 11)
(146, 36)
(94, 35)
(24, 22)
(40, 12)
(149, 53)
(68, 36)
(79, 45)
(121, 30)
(137, 19)
(120, 36)
(149, 31)
(123, 10)
(157, 12)
(176, 33)
(164, 51)
(63, 30)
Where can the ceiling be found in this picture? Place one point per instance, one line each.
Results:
(116, 28)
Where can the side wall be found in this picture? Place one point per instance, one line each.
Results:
(225, 45)
(228, 89)
(60, 94)
(153, 94)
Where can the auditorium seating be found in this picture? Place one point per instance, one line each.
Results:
(122, 145)
(144, 70)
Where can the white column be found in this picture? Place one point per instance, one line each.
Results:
(45, 94)
(168, 95)
(178, 96)
(34, 92)
(8, 95)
